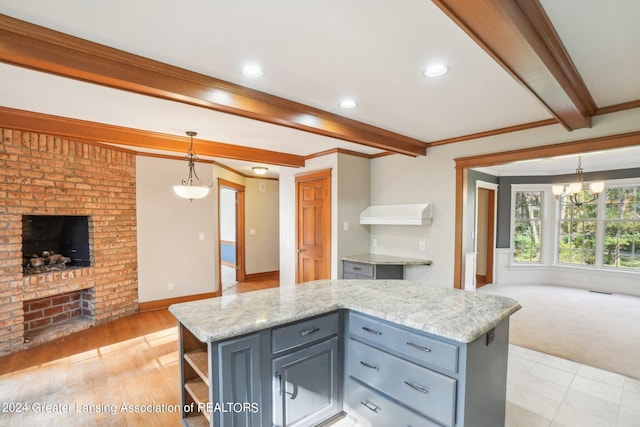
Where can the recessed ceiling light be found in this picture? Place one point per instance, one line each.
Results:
(252, 70)
(348, 104)
(435, 70)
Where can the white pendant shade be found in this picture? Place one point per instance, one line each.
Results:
(596, 187)
(191, 191)
(575, 187)
(187, 190)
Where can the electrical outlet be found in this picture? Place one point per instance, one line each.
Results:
(170, 287)
(374, 243)
(422, 245)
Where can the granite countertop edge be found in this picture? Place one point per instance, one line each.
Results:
(457, 315)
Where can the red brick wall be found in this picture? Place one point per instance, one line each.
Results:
(49, 310)
(47, 175)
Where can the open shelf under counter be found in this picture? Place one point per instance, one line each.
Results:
(199, 361)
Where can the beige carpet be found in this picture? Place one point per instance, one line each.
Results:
(594, 329)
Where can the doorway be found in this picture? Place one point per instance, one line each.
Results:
(231, 245)
(313, 225)
(485, 232)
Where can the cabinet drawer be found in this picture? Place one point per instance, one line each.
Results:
(297, 334)
(420, 348)
(369, 407)
(362, 270)
(422, 389)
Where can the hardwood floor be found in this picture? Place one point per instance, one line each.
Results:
(96, 377)
(251, 286)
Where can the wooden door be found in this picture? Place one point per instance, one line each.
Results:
(313, 200)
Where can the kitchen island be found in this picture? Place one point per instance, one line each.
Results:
(299, 355)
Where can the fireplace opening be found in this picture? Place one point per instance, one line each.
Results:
(57, 315)
(54, 242)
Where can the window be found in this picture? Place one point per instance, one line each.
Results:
(622, 228)
(527, 227)
(577, 231)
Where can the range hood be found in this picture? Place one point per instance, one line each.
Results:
(408, 214)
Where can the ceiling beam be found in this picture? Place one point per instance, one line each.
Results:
(552, 150)
(103, 133)
(38, 48)
(520, 37)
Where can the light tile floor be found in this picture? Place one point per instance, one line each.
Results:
(547, 391)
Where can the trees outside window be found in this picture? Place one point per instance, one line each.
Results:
(621, 247)
(527, 226)
(600, 234)
(577, 231)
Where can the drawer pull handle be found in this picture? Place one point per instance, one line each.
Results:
(369, 365)
(372, 331)
(371, 406)
(419, 347)
(309, 331)
(357, 268)
(416, 387)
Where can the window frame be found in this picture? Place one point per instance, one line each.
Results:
(597, 235)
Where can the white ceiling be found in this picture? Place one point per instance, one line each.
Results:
(622, 158)
(316, 53)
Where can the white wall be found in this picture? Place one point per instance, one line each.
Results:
(262, 216)
(353, 197)
(169, 247)
(169, 228)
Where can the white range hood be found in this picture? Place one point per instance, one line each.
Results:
(408, 214)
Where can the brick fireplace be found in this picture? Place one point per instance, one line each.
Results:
(48, 175)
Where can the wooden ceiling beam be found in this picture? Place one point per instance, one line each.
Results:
(38, 48)
(520, 37)
(103, 133)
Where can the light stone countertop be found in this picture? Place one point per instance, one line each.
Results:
(386, 259)
(450, 313)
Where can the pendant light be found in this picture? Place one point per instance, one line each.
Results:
(190, 189)
(573, 191)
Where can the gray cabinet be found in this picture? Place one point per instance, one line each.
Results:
(418, 388)
(367, 271)
(306, 385)
(303, 373)
(367, 404)
(414, 378)
(240, 380)
(286, 376)
(306, 371)
(223, 382)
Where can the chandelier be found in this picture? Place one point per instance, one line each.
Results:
(574, 191)
(190, 189)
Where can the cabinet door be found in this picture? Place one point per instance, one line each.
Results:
(306, 385)
(239, 382)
